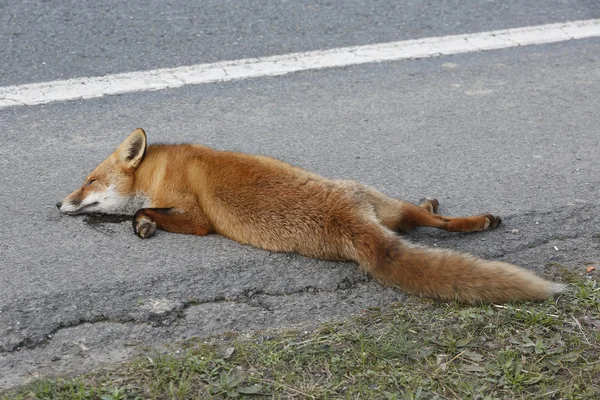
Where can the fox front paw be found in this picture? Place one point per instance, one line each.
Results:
(143, 226)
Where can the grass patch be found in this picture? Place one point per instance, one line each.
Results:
(415, 350)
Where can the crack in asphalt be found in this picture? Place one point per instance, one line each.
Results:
(164, 312)
(157, 318)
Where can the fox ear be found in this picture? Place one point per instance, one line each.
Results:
(132, 150)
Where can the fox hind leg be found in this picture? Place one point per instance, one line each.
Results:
(425, 214)
(402, 216)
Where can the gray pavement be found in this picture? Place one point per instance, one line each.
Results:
(513, 132)
(49, 40)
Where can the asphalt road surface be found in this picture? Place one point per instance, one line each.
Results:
(515, 132)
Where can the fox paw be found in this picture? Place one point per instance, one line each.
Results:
(491, 222)
(429, 204)
(144, 227)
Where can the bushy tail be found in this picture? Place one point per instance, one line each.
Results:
(446, 274)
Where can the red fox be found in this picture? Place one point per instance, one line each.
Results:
(267, 203)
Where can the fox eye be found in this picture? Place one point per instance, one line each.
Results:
(89, 182)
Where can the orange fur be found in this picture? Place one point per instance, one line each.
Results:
(275, 206)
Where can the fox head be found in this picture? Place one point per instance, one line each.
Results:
(109, 189)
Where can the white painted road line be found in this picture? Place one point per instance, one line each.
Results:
(87, 88)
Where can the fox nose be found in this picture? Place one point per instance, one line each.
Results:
(59, 204)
